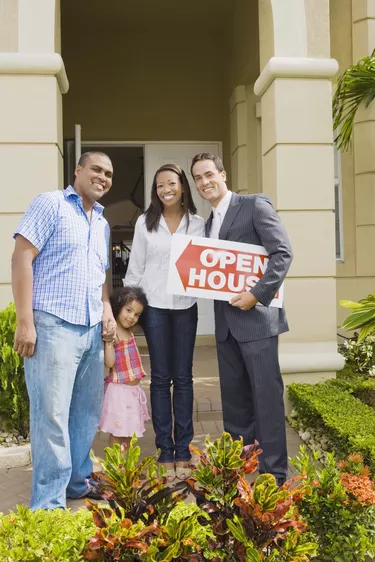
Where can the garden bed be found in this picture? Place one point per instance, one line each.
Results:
(326, 513)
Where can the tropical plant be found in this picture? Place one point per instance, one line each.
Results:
(182, 537)
(14, 402)
(137, 486)
(252, 522)
(355, 87)
(338, 505)
(234, 522)
(362, 318)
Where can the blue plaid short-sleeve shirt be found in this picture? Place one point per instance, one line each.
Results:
(69, 270)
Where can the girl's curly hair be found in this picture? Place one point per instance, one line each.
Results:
(125, 295)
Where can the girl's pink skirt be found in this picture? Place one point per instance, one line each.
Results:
(124, 410)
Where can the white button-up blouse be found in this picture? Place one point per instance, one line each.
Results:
(149, 261)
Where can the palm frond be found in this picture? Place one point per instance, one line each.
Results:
(355, 86)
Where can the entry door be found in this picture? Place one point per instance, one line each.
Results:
(182, 154)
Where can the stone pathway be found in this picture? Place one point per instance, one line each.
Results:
(15, 483)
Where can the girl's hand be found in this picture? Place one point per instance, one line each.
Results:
(109, 330)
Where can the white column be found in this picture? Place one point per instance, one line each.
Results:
(297, 154)
(32, 81)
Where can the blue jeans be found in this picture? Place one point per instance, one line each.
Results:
(170, 338)
(64, 380)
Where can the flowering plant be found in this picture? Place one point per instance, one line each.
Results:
(359, 354)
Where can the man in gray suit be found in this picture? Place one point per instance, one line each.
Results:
(246, 334)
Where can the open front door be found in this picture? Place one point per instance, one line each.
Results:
(157, 154)
(77, 142)
(72, 153)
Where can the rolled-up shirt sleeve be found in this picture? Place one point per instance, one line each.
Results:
(38, 222)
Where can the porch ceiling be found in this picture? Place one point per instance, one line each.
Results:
(143, 13)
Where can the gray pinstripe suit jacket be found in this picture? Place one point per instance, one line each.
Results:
(252, 219)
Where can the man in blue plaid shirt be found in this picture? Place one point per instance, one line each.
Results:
(63, 315)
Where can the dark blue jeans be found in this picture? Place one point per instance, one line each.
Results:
(170, 338)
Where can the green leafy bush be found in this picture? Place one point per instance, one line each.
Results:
(234, 522)
(348, 423)
(58, 536)
(14, 402)
(338, 506)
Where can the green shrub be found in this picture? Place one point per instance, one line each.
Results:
(14, 402)
(347, 422)
(58, 536)
(338, 507)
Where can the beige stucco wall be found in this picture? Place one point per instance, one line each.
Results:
(146, 83)
(8, 25)
(243, 70)
(243, 44)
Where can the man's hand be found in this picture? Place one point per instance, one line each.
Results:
(109, 327)
(25, 339)
(244, 301)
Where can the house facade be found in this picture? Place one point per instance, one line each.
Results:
(153, 81)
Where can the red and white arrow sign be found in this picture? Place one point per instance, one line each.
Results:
(215, 269)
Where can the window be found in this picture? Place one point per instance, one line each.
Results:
(338, 206)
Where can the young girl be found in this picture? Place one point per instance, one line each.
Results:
(125, 404)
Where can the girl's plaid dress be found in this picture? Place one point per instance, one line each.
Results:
(128, 363)
(125, 406)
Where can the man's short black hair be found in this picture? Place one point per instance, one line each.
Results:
(86, 155)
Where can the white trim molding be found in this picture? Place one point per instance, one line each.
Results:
(294, 67)
(35, 63)
(310, 357)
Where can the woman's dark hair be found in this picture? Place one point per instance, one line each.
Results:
(155, 209)
(125, 295)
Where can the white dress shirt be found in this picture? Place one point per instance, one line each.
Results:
(219, 213)
(149, 261)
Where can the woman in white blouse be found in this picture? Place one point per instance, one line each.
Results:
(169, 322)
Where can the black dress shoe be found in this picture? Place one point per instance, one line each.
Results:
(93, 494)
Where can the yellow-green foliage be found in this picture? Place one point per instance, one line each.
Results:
(14, 403)
(58, 535)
